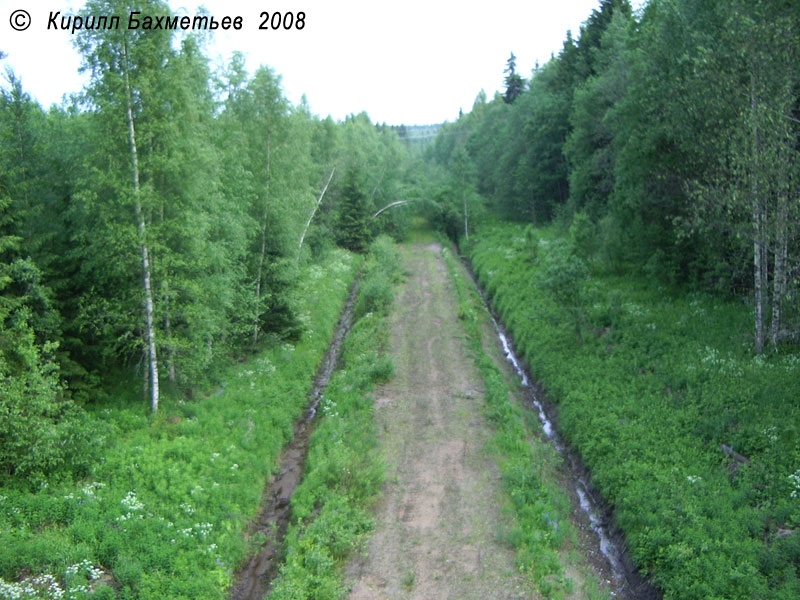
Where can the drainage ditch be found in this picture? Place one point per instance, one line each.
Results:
(608, 550)
(254, 579)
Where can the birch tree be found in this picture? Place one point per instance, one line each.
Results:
(125, 67)
(753, 195)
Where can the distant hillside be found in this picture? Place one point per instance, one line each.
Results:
(417, 135)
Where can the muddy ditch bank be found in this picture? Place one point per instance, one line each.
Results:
(254, 578)
(603, 541)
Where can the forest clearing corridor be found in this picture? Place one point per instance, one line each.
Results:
(439, 521)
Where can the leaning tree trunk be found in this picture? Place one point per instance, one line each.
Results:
(150, 333)
(313, 212)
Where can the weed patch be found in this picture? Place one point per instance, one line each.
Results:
(331, 506)
(692, 440)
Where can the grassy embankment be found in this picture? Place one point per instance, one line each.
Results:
(649, 387)
(538, 509)
(163, 512)
(344, 472)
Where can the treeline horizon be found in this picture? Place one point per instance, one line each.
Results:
(671, 137)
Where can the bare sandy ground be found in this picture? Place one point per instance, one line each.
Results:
(439, 522)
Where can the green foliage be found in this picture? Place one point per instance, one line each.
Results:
(331, 506)
(649, 399)
(589, 147)
(513, 80)
(164, 510)
(583, 236)
(675, 129)
(42, 433)
(377, 289)
(352, 232)
(565, 276)
(378, 160)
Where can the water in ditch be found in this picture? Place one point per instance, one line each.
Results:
(624, 579)
(254, 579)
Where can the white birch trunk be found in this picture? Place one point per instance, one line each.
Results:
(150, 334)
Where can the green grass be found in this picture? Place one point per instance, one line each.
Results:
(164, 511)
(331, 507)
(538, 508)
(649, 386)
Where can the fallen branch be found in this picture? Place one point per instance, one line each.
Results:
(738, 459)
(734, 455)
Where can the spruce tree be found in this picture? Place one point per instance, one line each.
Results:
(514, 82)
(353, 232)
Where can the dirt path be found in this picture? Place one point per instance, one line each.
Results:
(439, 522)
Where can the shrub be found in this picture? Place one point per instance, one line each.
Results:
(583, 236)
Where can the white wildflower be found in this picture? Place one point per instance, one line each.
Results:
(130, 502)
(795, 479)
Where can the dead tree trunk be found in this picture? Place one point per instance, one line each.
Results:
(313, 212)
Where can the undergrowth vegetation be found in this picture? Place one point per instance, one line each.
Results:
(161, 514)
(693, 441)
(331, 506)
(538, 508)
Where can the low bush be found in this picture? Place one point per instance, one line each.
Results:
(377, 287)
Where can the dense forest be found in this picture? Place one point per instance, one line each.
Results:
(156, 224)
(632, 208)
(669, 138)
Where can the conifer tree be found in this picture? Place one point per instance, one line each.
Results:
(514, 82)
(352, 225)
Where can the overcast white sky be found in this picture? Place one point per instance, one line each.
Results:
(413, 62)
